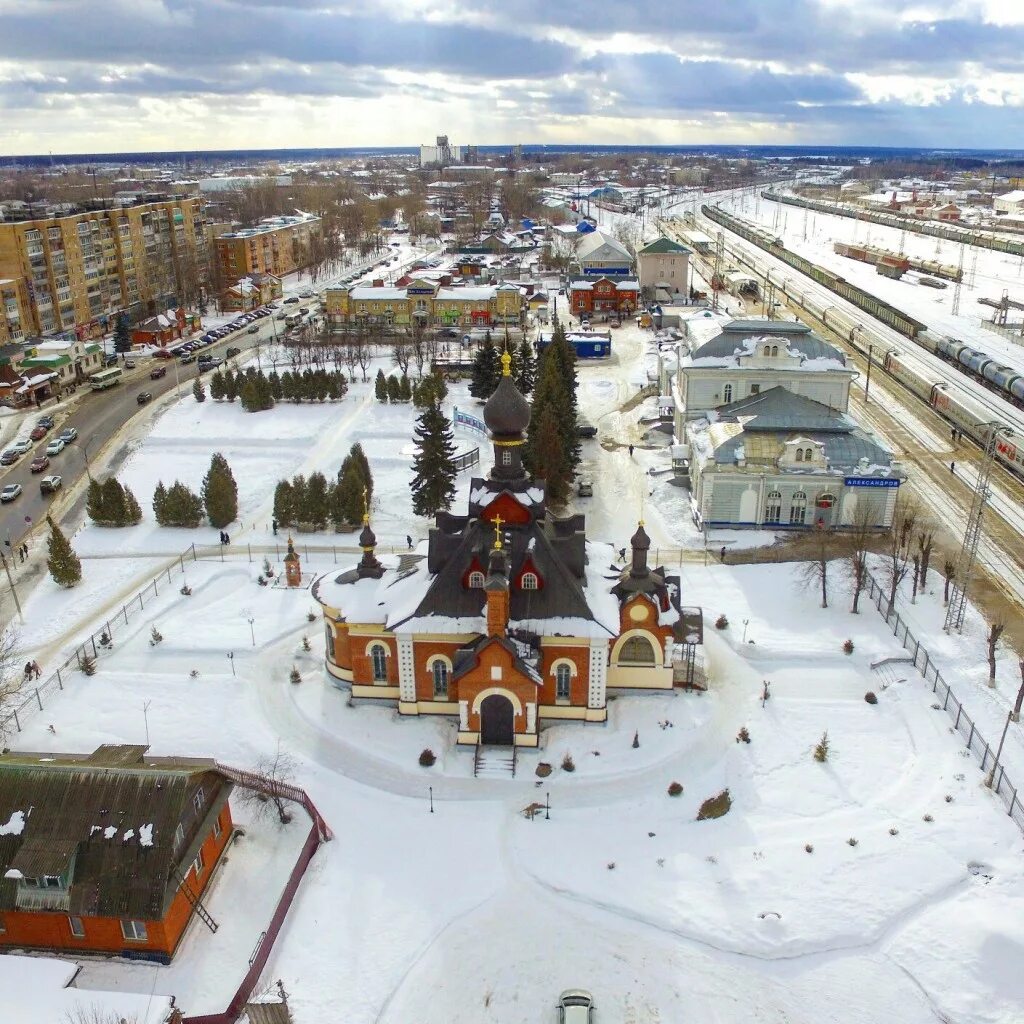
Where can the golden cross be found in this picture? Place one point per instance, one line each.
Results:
(497, 532)
(366, 506)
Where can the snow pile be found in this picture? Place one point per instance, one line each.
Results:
(15, 825)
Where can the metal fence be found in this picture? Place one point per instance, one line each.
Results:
(1002, 785)
(28, 699)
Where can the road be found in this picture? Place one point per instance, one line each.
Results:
(98, 416)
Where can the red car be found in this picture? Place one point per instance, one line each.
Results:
(39, 463)
(38, 433)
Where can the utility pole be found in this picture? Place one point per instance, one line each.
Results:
(14, 593)
(972, 534)
(959, 281)
(867, 380)
(716, 275)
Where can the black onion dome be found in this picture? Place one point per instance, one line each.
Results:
(507, 411)
(367, 538)
(640, 539)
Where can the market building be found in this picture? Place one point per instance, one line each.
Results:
(511, 617)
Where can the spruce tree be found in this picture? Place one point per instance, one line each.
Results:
(122, 334)
(184, 506)
(284, 503)
(405, 388)
(357, 454)
(549, 460)
(433, 485)
(220, 492)
(299, 498)
(486, 371)
(249, 396)
(160, 510)
(232, 384)
(276, 390)
(394, 390)
(526, 368)
(347, 504)
(114, 512)
(317, 510)
(198, 391)
(63, 563)
(132, 509)
(380, 387)
(94, 501)
(266, 392)
(217, 386)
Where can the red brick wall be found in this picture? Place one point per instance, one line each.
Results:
(580, 657)
(362, 663)
(479, 679)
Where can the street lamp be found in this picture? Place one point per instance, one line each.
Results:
(83, 449)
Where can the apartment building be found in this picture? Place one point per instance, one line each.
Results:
(277, 246)
(82, 266)
(14, 311)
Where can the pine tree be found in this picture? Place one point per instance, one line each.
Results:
(486, 371)
(299, 498)
(565, 359)
(276, 390)
(347, 495)
(113, 504)
(63, 563)
(220, 492)
(284, 503)
(122, 335)
(232, 385)
(265, 392)
(405, 389)
(198, 391)
(132, 509)
(394, 389)
(249, 396)
(549, 460)
(433, 485)
(317, 510)
(288, 387)
(217, 386)
(357, 454)
(526, 367)
(160, 510)
(380, 387)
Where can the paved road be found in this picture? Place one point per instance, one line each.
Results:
(97, 416)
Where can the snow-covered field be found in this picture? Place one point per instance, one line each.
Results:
(908, 905)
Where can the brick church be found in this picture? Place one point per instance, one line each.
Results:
(512, 617)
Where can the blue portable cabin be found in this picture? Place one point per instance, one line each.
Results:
(586, 344)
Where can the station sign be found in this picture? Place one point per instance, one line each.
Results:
(867, 481)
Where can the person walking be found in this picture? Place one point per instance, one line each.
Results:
(273, 526)
(952, 468)
(631, 451)
(408, 541)
(28, 671)
(36, 670)
(722, 554)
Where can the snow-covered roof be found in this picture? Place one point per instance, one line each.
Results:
(474, 293)
(362, 293)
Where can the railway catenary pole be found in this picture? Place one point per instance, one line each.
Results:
(959, 280)
(972, 533)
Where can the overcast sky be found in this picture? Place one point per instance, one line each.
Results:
(121, 75)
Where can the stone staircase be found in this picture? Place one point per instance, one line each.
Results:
(493, 762)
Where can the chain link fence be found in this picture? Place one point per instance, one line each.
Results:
(1001, 783)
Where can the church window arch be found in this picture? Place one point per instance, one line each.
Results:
(379, 662)
(808, 454)
(476, 580)
(799, 455)
(637, 650)
(775, 350)
(529, 581)
(563, 682)
(773, 507)
(727, 394)
(440, 674)
(798, 509)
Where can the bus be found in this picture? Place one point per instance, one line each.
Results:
(293, 320)
(105, 378)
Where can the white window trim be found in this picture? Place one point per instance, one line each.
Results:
(133, 927)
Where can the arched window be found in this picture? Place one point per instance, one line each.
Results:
(637, 650)
(773, 507)
(529, 581)
(799, 455)
(563, 681)
(798, 509)
(808, 454)
(826, 500)
(727, 393)
(379, 658)
(476, 579)
(440, 673)
(775, 350)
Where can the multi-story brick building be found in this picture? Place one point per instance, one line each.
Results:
(277, 245)
(513, 616)
(424, 303)
(14, 312)
(77, 270)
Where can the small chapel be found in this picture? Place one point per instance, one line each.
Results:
(511, 617)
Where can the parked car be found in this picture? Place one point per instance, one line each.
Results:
(22, 446)
(281, 316)
(292, 298)
(575, 1006)
(255, 329)
(209, 364)
(143, 397)
(585, 488)
(111, 360)
(38, 433)
(584, 428)
(156, 374)
(187, 358)
(39, 463)
(45, 421)
(50, 484)
(68, 434)
(9, 457)
(129, 364)
(55, 447)
(10, 492)
(231, 352)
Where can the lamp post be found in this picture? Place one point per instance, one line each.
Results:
(745, 624)
(252, 629)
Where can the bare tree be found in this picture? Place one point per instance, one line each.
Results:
(400, 354)
(279, 771)
(925, 543)
(814, 572)
(12, 681)
(95, 1014)
(996, 628)
(948, 572)
(351, 357)
(857, 540)
(363, 352)
(896, 558)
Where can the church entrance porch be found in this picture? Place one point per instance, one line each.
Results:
(496, 721)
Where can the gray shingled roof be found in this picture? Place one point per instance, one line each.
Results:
(75, 800)
(843, 451)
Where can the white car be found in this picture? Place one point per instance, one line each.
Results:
(22, 446)
(10, 492)
(575, 1006)
(55, 447)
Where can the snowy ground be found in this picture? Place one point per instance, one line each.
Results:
(473, 913)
